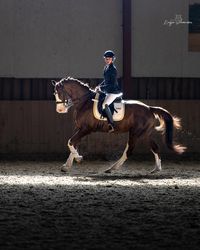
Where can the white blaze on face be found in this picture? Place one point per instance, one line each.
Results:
(60, 107)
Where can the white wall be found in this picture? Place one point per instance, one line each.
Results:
(55, 38)
(159, 50)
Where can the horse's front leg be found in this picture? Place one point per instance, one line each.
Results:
(74, 155)
(78, 158)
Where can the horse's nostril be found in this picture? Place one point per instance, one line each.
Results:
(59, 110)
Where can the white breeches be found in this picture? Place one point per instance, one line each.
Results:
(110, 98)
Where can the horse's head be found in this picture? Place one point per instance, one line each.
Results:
(69, 92)
(63, 100)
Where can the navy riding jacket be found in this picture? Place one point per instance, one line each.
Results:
(110, 84)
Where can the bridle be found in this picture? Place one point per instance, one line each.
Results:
(59, 102)
(69, 102)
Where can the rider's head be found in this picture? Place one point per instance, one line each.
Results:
(109, 56)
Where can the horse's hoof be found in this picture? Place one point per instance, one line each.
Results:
(155, 170)
(65, 168)
(108, 171)
(79, 159)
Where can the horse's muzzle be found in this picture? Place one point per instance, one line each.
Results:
(61, 109)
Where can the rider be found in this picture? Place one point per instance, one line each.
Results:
(110, 86)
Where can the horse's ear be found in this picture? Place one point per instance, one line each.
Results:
(53, 83)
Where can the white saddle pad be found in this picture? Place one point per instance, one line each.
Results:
(117, 116)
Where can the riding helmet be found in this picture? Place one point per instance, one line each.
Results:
(109, 53)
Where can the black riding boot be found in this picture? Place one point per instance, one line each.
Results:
(110, 119)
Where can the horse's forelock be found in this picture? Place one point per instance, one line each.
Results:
(59, 85)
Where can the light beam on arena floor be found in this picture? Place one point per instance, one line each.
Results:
(96, 180)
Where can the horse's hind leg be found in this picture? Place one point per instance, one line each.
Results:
(120, 162)
(156, 151)
(127, 152)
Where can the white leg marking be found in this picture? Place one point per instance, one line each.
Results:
(75, 153)
(68, 163)
(73, 150)
(120, 162)
(158, 163)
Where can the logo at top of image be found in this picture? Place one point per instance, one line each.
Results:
(176, 21)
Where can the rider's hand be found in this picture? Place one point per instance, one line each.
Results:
(97, 88)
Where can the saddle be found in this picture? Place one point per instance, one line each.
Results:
(117, 108)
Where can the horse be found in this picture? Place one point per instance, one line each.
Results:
(140, 121)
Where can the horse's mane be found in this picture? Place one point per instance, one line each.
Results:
(71, 79)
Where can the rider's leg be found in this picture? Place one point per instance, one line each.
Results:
(108, 100)
(110, 118)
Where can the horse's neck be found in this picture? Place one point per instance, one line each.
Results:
(79, 91)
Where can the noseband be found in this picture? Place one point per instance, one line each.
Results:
(59, 102)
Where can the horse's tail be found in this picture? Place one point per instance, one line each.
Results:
(167, 125)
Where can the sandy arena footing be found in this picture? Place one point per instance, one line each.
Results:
(43, 208)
